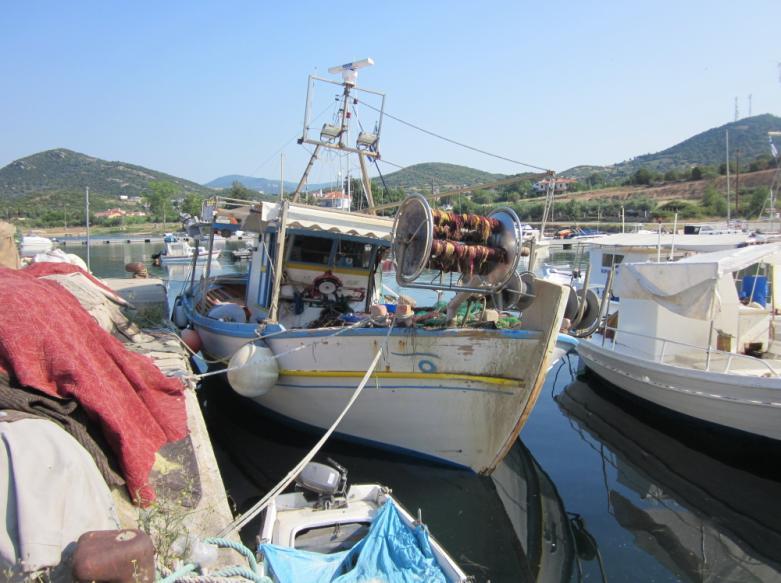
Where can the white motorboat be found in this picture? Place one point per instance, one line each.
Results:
(688, 341)
(179, 251)
(457, 381)
(328, 529)
(33, 244)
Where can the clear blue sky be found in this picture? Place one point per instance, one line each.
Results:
(201, 90)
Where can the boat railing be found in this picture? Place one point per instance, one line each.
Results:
(709, 352)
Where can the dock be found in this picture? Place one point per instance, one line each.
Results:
(188, 502)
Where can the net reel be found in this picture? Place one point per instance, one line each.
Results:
(485, 250)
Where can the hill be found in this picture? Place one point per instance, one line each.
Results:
(260, 184)
(65, 171)
(749, 135)
(420, 176)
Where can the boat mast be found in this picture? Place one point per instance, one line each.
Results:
(337, 135)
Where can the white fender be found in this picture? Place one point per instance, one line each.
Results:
(256, 371)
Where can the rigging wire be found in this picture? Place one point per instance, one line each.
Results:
(457, 143)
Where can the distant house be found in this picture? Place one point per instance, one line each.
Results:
(559, 185)
(336, 199)
(110, 214)
(123, 197)
(118, 213)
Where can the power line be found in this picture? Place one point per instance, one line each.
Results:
(457, 143)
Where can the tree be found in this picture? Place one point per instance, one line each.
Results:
(671, 175)
(696, 173)
(159, 197)
(757, 201)
(642, 176)
(714, 202)
(192, 204)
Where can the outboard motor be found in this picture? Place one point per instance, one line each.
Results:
(329, 483)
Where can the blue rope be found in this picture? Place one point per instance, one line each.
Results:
(241, 572)
(253, 573)
(179, 573)
(229, 544)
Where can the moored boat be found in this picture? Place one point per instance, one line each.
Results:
(457, 380)
(329, 529)
(696, 337)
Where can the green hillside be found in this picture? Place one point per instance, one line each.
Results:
(748, 135)
(47, 174)
(421, 176)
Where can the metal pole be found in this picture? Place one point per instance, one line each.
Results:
(367, 185)
(86, 219)
(675, 230)
(278, 261)
(737, 181)
(727, 153)
(281, 176)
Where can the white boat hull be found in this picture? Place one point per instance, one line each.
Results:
(747, 403)
(184, 259)
(457, 395)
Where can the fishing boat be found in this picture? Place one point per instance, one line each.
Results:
(695, 336)
(328, 529)
(457, 380)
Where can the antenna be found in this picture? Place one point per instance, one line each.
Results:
(349, 71)
(749, 104)
(737, 111)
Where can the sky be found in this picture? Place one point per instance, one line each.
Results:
(200, 90)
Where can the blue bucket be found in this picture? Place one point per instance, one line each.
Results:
(756, 284)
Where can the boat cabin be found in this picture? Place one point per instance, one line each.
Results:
(726, 301)
(329, 264)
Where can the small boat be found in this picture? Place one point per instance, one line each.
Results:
(695, 336)
(33, 244)
(179, 251)
(329, 529)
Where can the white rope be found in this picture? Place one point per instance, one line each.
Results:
(288, 479)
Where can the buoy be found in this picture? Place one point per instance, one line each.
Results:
(256, 371)
(179, 315)
(192, 339)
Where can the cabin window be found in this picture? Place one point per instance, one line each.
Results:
(311, 249)
(353, 254)
(610, 259)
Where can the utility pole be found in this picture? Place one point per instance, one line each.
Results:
(727, 159)
(86, 220)
(737, 181)
(737, 111)
(749, 104)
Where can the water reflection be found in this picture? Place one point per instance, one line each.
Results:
(510, 527)
(699, 516)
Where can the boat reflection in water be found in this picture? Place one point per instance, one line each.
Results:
(555, 542)
(511, 526)
(700, 516)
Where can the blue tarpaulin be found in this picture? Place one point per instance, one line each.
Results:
(391, 552)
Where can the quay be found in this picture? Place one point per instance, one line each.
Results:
(85, 466)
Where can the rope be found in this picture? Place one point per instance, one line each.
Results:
(441, 137)
(288, 479)
(238, 547)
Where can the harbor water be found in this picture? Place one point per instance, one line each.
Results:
(598, 488)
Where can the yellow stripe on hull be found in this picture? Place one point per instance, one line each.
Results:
(403, 375)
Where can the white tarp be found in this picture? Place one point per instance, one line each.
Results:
(688, 287)
(303, 216)
(695, 243)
